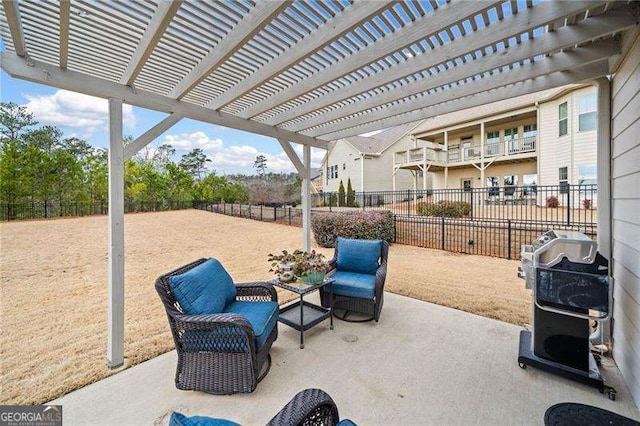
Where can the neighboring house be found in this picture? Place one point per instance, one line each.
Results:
(366, 161)
(545, 138)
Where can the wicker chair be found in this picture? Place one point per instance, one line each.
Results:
(310, 407)
(344, 300)
(217, 352)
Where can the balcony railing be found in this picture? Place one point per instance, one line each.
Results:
(456, 154)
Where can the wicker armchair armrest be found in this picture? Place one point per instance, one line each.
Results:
(381, 276)
(332, 264)
(256, 292)
(231, 327)
(308, 407)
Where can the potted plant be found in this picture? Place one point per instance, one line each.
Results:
(283, 265)
(311, 267)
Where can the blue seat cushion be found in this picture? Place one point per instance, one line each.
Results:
(262, 316)
(352, 284)
(346, 422)
(358, 255)
(179, 419)
(205, 289)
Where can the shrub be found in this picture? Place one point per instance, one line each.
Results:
(351, 195)
(587, 204)
(552, 202)
(368, 225)
(444, 208)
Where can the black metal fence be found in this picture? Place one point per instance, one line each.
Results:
(558, 204)
(493, 221)
(52, 209)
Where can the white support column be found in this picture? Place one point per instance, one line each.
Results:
(415, 185)
(115, 338)
(482, 136)
(306, 198)
(424, 174)
(605, 193)
(446, 169)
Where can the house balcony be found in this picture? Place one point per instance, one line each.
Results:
(504, 150)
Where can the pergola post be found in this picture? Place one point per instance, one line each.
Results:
(115, 338)
(306, 198)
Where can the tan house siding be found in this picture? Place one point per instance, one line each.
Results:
(458, 174)
(344, 156)
(572, 150)
(625, 134)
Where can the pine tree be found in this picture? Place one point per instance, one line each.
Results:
(351, 195)
(341, 197)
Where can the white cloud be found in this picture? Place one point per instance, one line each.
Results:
(70, 109)
(373, 133)
(235, 158)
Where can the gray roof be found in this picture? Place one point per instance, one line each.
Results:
(379, 142)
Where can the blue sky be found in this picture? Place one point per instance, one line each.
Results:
(231, 151)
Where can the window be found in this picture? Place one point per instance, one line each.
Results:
(511, 134)
(530, 130)
(493, 183)
(563, 177)
(493, 146)
(529, 184)
(587, 107)
(344, 166)
(493, 137)
(466, 185)
(510, 183)
(587, 177)
(563, 120)
(333, 173)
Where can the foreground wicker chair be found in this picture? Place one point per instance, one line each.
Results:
(220, 351)
(360, 270)
(310, 407)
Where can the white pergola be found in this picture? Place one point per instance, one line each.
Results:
(303, 72)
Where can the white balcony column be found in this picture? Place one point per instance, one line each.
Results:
(362, 174)
(415, 185)
(446, 177)
(446, 169)
(424, 173)
(306, 198)
(115, 336)
(482, 137)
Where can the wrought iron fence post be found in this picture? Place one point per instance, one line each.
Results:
(275, 213)
(261, 216)
(443, 233)
(46, 213)
(289, 215)
(509, 239)
(568, 205)
(471, 213)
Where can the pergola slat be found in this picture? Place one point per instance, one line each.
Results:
(534, 18)
(550, 81)
(330, 30)
(251, 24)
(562, 38)
(155, 30)
(411, 33)
(83, 83)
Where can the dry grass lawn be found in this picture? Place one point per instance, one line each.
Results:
(53, 289)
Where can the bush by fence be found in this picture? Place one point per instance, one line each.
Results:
(370, 225)
(444, 208)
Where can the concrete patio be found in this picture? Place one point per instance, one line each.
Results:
(422, 363)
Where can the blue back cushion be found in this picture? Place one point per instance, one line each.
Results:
(359, 256)
(179, 419)
(206, 289)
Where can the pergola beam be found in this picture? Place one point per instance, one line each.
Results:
(293, 156)
(325, 34)
(65, 14)
(251, 24)
(560, 62)
(537, 16)
(12, 13)
(150, 135)
(153, 33)
(78, 82)
(429, 24)
(564, 37)
(557, 79)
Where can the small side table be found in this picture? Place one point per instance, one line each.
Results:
(302, 315)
